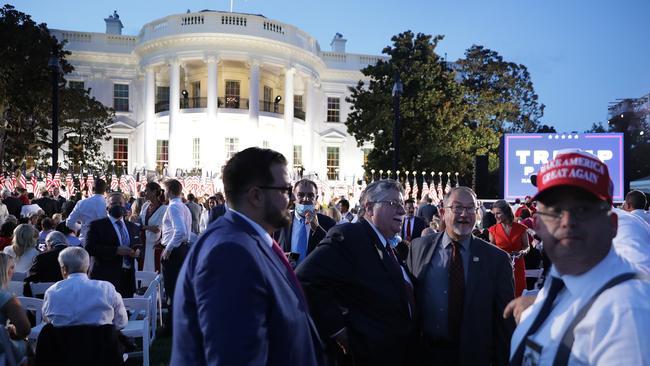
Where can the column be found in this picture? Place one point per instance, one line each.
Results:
(213, 93)
(210, 145)
(288, 113)
(254, 93)
(312, 149)
(174, 112)
(149, 118)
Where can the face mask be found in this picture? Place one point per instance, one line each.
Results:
(394, 241)
(117, 211)
(303, 209)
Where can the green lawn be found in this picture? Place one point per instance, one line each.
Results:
(159, 353)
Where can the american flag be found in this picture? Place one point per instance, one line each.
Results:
(124, 186)
(114, 182)
(181, 180)
(143, 179)
(35, 190)
(425, 188)
(103, 177)
(2, 180)
(56, 181)
(90, 182)
(441, 194)
(407, 188)
(81, 181)
(22, 177)
(69, 184)
(133, 184)
(415, 187)
(10, 182)
(48, 182)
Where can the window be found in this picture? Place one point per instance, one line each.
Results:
(121, 152)
(196, 89)
(232, 146)
(232, 94)
(162, 154)
(333, 109)
(162, 99)
(298, 110)
(297, 156)
(366, 152)
(76, 85)
(121, 97)
(266, 144)
(268, 99)
(196, 152)
(332, 163)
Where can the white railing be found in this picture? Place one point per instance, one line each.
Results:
(192, 20)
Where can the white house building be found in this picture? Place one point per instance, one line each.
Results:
(192, 89)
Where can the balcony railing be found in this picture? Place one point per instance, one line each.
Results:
(195, 102)
(232, 102)
(299, 113)
(272, 107)
(162, 106)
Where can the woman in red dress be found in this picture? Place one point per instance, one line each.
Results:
(511, 237)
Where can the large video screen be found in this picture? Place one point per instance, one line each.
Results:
(524, 154)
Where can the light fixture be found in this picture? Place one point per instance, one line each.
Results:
(278, 99)
(185, 93)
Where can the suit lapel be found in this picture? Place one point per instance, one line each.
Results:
(473, 272)
(115, 239)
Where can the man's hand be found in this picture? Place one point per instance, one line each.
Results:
(165, 254)
(517, 306)
(312, 219)
(125, 252)
(342, 340)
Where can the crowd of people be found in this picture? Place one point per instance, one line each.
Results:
(268, 274)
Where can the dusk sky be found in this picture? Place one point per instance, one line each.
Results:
(581, 54)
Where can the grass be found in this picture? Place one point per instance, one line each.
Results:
(159, 353)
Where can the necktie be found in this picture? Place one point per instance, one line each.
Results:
(407, 286)
(408, 229)
(124, 241)
(456, 291)
(301, 246)
(292, 275)
(556, 286)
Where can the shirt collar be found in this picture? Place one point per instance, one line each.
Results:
(176, 199)
(295, 213)
(259, 229)
(596, 277)
(77, 275)
(379, 235)
(114, 220)
(446, 241)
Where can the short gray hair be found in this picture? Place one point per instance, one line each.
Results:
(75, 259)
(376, 190)
(445, 200)
(56, 238)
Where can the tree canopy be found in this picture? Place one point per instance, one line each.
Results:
(26, 96)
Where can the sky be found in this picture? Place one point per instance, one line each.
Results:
(581, 54)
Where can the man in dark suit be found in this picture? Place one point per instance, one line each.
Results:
(46, 267)
(14, 204)
(195, 210)
(218, 209)
(412, 226)
(427, 211)
(360, 294)
(49, 205)
(307, 227)
(60, 200)
(238, 300)
(113, 243)
(470, 281)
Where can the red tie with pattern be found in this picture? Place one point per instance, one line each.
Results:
(292, 275)
(408, 229)
(456, 291)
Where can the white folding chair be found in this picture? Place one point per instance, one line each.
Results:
(19, 276)
(39, 288)
(35, 305)
(144, 278)
(157, 285)
(138, 325)
(16, 287)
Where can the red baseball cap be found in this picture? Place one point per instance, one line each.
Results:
(576, 168)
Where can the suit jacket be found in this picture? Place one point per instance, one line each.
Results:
(236, 304)
(102, 243)
(216, 212)
(484, 335)
(283, 236)
(59, 202)
(79, 345)
(13, 205)
(351, 282)
(49, 205)
(195, 210)
(45, 268)
(418, 226)
(426, 212)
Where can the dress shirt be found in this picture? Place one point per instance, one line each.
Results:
(24, 263)
(79, 300)
(436, 287)
(176, 224)
(632, 241)
(615, 330)
(295, 235)
(642, 214)
(408, 223)
(86, 211)
(384, 242)
(258, 228)
(127, 262)
(28, 209)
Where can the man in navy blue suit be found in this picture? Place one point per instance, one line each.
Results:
(238, 300)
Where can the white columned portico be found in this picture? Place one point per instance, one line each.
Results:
(309, 121)
(174, 113)
(149, 118)
(210, 146)
(213, 90)
(288, 113)
(254, 93)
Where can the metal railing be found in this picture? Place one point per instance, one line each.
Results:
(299, 113)
(232, 102)
(162, 106)
(195, 102)
(272, 107)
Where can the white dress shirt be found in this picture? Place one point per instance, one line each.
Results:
(86, 211)
(176, 224)
(258, 228)
(632, 241)
(642, 214)
(79, 300)
(615, 331)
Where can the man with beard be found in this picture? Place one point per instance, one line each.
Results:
(463, 286)
(359, 292)
(238, 300)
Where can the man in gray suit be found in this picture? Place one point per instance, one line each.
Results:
(464, 283)
(195, 210)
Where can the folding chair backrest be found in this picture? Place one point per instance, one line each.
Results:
(39, 288)
(138, 308)
(33, 304)
(16, 287)
(144, 278)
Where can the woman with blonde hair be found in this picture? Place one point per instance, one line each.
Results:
(23, 248)
(12, 310)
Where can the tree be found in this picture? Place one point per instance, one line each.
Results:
(25, 94)
(432, 109)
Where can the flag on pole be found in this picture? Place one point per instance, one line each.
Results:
(407, 188)
(10, 182)
(81, 181)
(35, 190)
(48, 182)
(2, 180)
(22, 176)
(69, 184)
(114, 182)
(415, 187)
(143, 179)
(124, 187)
(56, 181)
(90, 182)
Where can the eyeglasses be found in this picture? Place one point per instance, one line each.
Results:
(309, 196)
(286, 189)
(394, 203)
(553, 214)
(458, 209)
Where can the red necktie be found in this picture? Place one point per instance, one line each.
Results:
(407, 286)
(292, 275)
(408, 229)
(456, 291)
